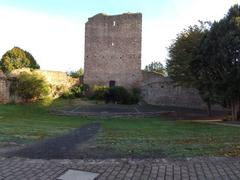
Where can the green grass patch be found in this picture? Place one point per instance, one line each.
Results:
(142, 137)
(156, 137)
(27, 123)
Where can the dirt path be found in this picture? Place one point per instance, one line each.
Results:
(61, 147)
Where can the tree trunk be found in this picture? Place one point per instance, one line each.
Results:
(209, 106)
(235, 109)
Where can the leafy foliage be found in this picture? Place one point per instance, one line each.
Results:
(77, 91)
(218, 59)
(135, 95)
(31, 86)
(99, 92)
(17, 58)
(116, 94)
(120, 95)
(157, 67)
(182, 53)
(76, 74)
(209, 60)
(181, 65)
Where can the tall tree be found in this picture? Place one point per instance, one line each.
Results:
(157, 67)
(218, 57)
(182, 52)
(17, 58)
(180, 66)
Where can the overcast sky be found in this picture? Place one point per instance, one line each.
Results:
(53, 30)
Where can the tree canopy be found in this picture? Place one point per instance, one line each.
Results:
(182, 52)
(76, 74)
(17, 58)
(157, 67)
(209, 60)
(218, 58)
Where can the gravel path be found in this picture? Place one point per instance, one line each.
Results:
(61, 147)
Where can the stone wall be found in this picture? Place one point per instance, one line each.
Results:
(113, 50)
(159, 90)
(58, 81)
(56, 78)
(4, 89)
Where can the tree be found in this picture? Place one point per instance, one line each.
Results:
(157, 67)
(17, 58)
(76, 74)
(182, 52)
(180, 66)
(219, 58)
(30, 86)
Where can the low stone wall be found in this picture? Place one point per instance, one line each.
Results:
(4, 89)
(58, 81)
(159, 90)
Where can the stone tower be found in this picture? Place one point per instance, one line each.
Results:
(113, 50)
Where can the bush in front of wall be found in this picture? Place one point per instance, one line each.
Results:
(77, 91)
(135, 95)
(120, 95)
(99, 92)
(30, 86)
(80, 90)
(117, 94)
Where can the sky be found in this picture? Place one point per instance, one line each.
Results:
(53, 30)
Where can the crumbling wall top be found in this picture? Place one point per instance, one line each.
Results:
(103, 15)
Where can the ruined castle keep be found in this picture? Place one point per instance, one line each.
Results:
(113, 58)
(113, 50)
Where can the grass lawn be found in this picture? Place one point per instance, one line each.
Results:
(156, 137)
(28, 123)
(127, 136)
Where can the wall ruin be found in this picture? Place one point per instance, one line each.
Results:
(113, 50)
(4, 89)
(159, 90)
(58, 81)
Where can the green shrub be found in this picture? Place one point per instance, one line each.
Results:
(58, 90)
(118, 94)
(30, 86)
(77, 91)
(121, 95)
(99, 92)
(67, 95)
(135, 95)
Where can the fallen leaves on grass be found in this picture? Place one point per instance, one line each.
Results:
(233, 151)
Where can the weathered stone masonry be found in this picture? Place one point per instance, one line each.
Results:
(113, 54)
(163, 91)
(113, 50)
(4, 89)
(158, 90)
(58, 81)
